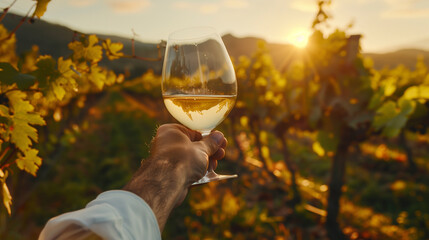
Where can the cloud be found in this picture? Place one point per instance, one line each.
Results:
(406, 9)
(182, 5)
(210, 8)
(235, 3)
(304, 5)
(128, 6)
(81, 3)
(406, 13)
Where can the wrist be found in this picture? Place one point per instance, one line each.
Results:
(156, 177)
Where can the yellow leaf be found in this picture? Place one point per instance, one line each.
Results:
(263, 137)
(390, 86)
(244, 121)
(265, 152)
(419, 92)
(91, 52)
(398, 185)
(97, 76)
(94, 52)
(317, 148)
(113, 49)
(7, 198)
(77, 48)
(230, 205)
(22, 117)
(241, 73)
(58, 90)
(65, 81)
(6, 46)
(281, 82)
(269, 95)
(41, 7)
(110, 78)
(30, 162)
(64, 67)
(260, 81)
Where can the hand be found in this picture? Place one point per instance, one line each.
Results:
(178, 157)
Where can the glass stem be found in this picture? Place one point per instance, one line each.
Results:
(210, 169)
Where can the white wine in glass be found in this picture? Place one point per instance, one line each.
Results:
(198, 82)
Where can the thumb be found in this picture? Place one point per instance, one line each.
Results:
(213, 142)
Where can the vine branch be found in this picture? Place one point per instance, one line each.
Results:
(5, 10)
(23, 19)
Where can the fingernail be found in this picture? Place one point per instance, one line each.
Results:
(217, 136)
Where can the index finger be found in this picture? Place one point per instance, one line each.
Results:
(191, 134)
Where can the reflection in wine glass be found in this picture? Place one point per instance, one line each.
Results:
(198, 82)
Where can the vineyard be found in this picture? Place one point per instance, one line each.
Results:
(326, 147)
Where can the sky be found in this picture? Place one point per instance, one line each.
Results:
(384, 24)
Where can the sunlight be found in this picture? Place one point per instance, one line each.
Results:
(299, 38)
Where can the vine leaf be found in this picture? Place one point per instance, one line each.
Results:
(327, 140)
(9, 75)
(94, 52)
(113, 49)
(45, 70)
(89, 52)
(417, 92)
(22, 132)
(392, 117)
(97, 76)
(41, 7)
(65, 78)
(7, 198)
(29, 162)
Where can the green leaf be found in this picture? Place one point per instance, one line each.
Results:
(30, 162)
(383, 115)
(328, 140)
(25, 81)
(9, 75)
(315, 115)
(23, 117)
(56, 78)
(392, 117)
(362, 117)
(406, 106)
(376, 99)
(45, 70)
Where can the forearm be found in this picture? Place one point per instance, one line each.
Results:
(161, 186)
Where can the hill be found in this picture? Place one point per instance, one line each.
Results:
(52, 39)
(406, 57)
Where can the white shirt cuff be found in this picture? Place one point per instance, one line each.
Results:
(114, 214)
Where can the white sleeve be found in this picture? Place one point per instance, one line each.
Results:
(115, 214)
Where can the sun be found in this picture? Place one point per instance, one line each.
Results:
(298, 38)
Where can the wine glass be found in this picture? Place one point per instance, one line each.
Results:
(199, 87)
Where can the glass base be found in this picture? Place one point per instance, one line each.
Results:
(211, 176)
